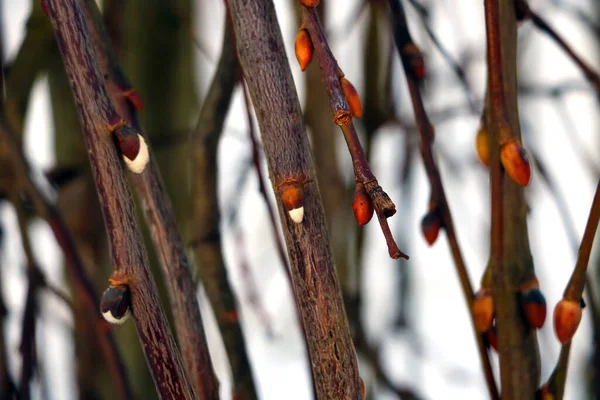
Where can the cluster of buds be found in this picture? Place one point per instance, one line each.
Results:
(115, 304)
(483, 310)
(533, 304)
(513, 157)
(362, 205)
(292, 196)
(567, 316)
(431, 225)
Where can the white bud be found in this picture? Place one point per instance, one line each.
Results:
(108, 315)
(139, 163)
(297, 214)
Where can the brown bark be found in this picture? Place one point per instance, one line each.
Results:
(269, 78)
(128, 255)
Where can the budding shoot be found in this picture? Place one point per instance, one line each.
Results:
(352, 97)
(483, 310)
(115, 304)
(567, 316)
(515, 162)
(362, 205)
(533, 304)
(430, 226)
(310, 3)
(483, 146)
(304, 49)
(292, 196)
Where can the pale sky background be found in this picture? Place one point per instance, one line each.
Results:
(438, 357)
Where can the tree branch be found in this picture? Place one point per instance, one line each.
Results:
(340, 110)
(404, 43)
(268, 75)
(99, 119)
(160, 219)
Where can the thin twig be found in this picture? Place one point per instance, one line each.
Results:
(574, 292)
(402, 38)
(592, 76)
(384, 207)
(74, 263)
(129, 258)
(206, 238)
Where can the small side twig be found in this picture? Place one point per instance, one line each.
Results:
(384, 207)
(403, 39)
(525, 11)
(573, 295)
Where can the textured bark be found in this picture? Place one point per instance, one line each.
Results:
(517, 342)
(127, 251)
(269, 78)
(160, 219)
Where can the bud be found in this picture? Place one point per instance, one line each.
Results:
(304, 48)
(483, 310)
(292, 196)
(134, 99)
(310, 3)
(544, 393)
(515, 161)
(533, 305)
(352, 98)
(430, 226)
(415, 59)
(491, 336)
(362, 205)
(138, 164)
(482, 145)
(114, 304)
(363, 389)
(567, 316)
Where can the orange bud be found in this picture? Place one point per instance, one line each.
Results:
(567, 316)
(134, 99)
(362, 205)
(415, 59)
(544, 393)
(310, 3)
(363, 389)
(533, 304)
(492, 337)
(515, 162)
(483, 310)
(482, 145)
(430, 226)
(352, 98)
(292, 196)
(304, 49)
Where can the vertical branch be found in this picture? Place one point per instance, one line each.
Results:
(160, 218)
(267, 72)
(206, 237)
(99, 118)
(406, 49)
(511, 262)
